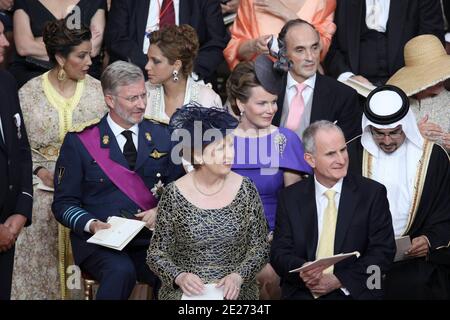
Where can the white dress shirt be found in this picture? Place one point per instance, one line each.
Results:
(121, 140)
(377, 15)
(117, 130)
(392, 171)
(291, 90)
(307, 94)
(153, 19)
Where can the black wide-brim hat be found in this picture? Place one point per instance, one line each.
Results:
(386, 104)
(269, 78)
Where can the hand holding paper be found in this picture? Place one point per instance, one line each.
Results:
(121, 232)
(324, 263)
(190, 284)
(419, 247)
(210, 292)
(327, 283)
(363, 88)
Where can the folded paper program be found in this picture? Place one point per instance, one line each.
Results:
(326, 262)
(121, 232)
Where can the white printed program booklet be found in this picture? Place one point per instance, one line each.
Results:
(211, 292)
(121, 232)
(326, 262)
(363, 89)
(402, 244)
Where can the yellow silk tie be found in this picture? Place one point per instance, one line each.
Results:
(325, 247)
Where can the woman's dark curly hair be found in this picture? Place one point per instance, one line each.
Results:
(177, 43)
(61, 39)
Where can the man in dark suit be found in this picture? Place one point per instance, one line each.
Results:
(130, 21)
(310, 96)
(16, 190)
(113, 168)
(332, 212)
(370, 37)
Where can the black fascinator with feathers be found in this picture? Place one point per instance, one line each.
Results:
(200, 125)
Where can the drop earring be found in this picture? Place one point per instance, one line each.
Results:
(61, 74)
(175, 75)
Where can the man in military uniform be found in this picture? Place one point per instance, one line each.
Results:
(114, 168)
(16, 187)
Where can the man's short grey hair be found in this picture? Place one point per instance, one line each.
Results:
(118, 74)
(309, 135)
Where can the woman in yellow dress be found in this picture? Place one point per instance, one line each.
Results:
(52, 104)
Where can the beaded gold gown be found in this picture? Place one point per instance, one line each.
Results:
(210, 243)
(48, 116)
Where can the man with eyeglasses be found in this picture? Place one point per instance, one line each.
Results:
(416, 174)
(115, 166)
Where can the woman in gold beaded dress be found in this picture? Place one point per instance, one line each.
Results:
(210, 226)
(52, 104)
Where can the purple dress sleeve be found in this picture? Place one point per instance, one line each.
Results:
(291, 151)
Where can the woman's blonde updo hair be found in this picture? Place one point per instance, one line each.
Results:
(177, 43)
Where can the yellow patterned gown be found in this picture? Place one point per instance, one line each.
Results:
(48, 116)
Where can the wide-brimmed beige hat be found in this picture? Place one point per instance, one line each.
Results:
(426, 64)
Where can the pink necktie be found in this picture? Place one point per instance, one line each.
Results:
(296, 108)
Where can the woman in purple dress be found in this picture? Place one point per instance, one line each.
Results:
(271, 157)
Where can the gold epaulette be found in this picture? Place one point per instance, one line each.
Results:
(155, 120)
(81, 126)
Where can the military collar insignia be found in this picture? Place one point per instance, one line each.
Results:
(155, 154)
(148, 136)
(61, 171)
(105, 139)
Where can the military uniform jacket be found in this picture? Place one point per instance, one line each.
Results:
(84, 192)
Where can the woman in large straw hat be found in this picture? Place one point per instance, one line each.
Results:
(427, 66)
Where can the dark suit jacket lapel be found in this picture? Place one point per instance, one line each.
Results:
(184, 14)
(7, 128)
(114, 151)
(349, 199)
(277, 118)
(353, 22)
(142, 10)
(308, 218)
(144, 146)
(320, 108)
(397, 14)
(3, 139)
